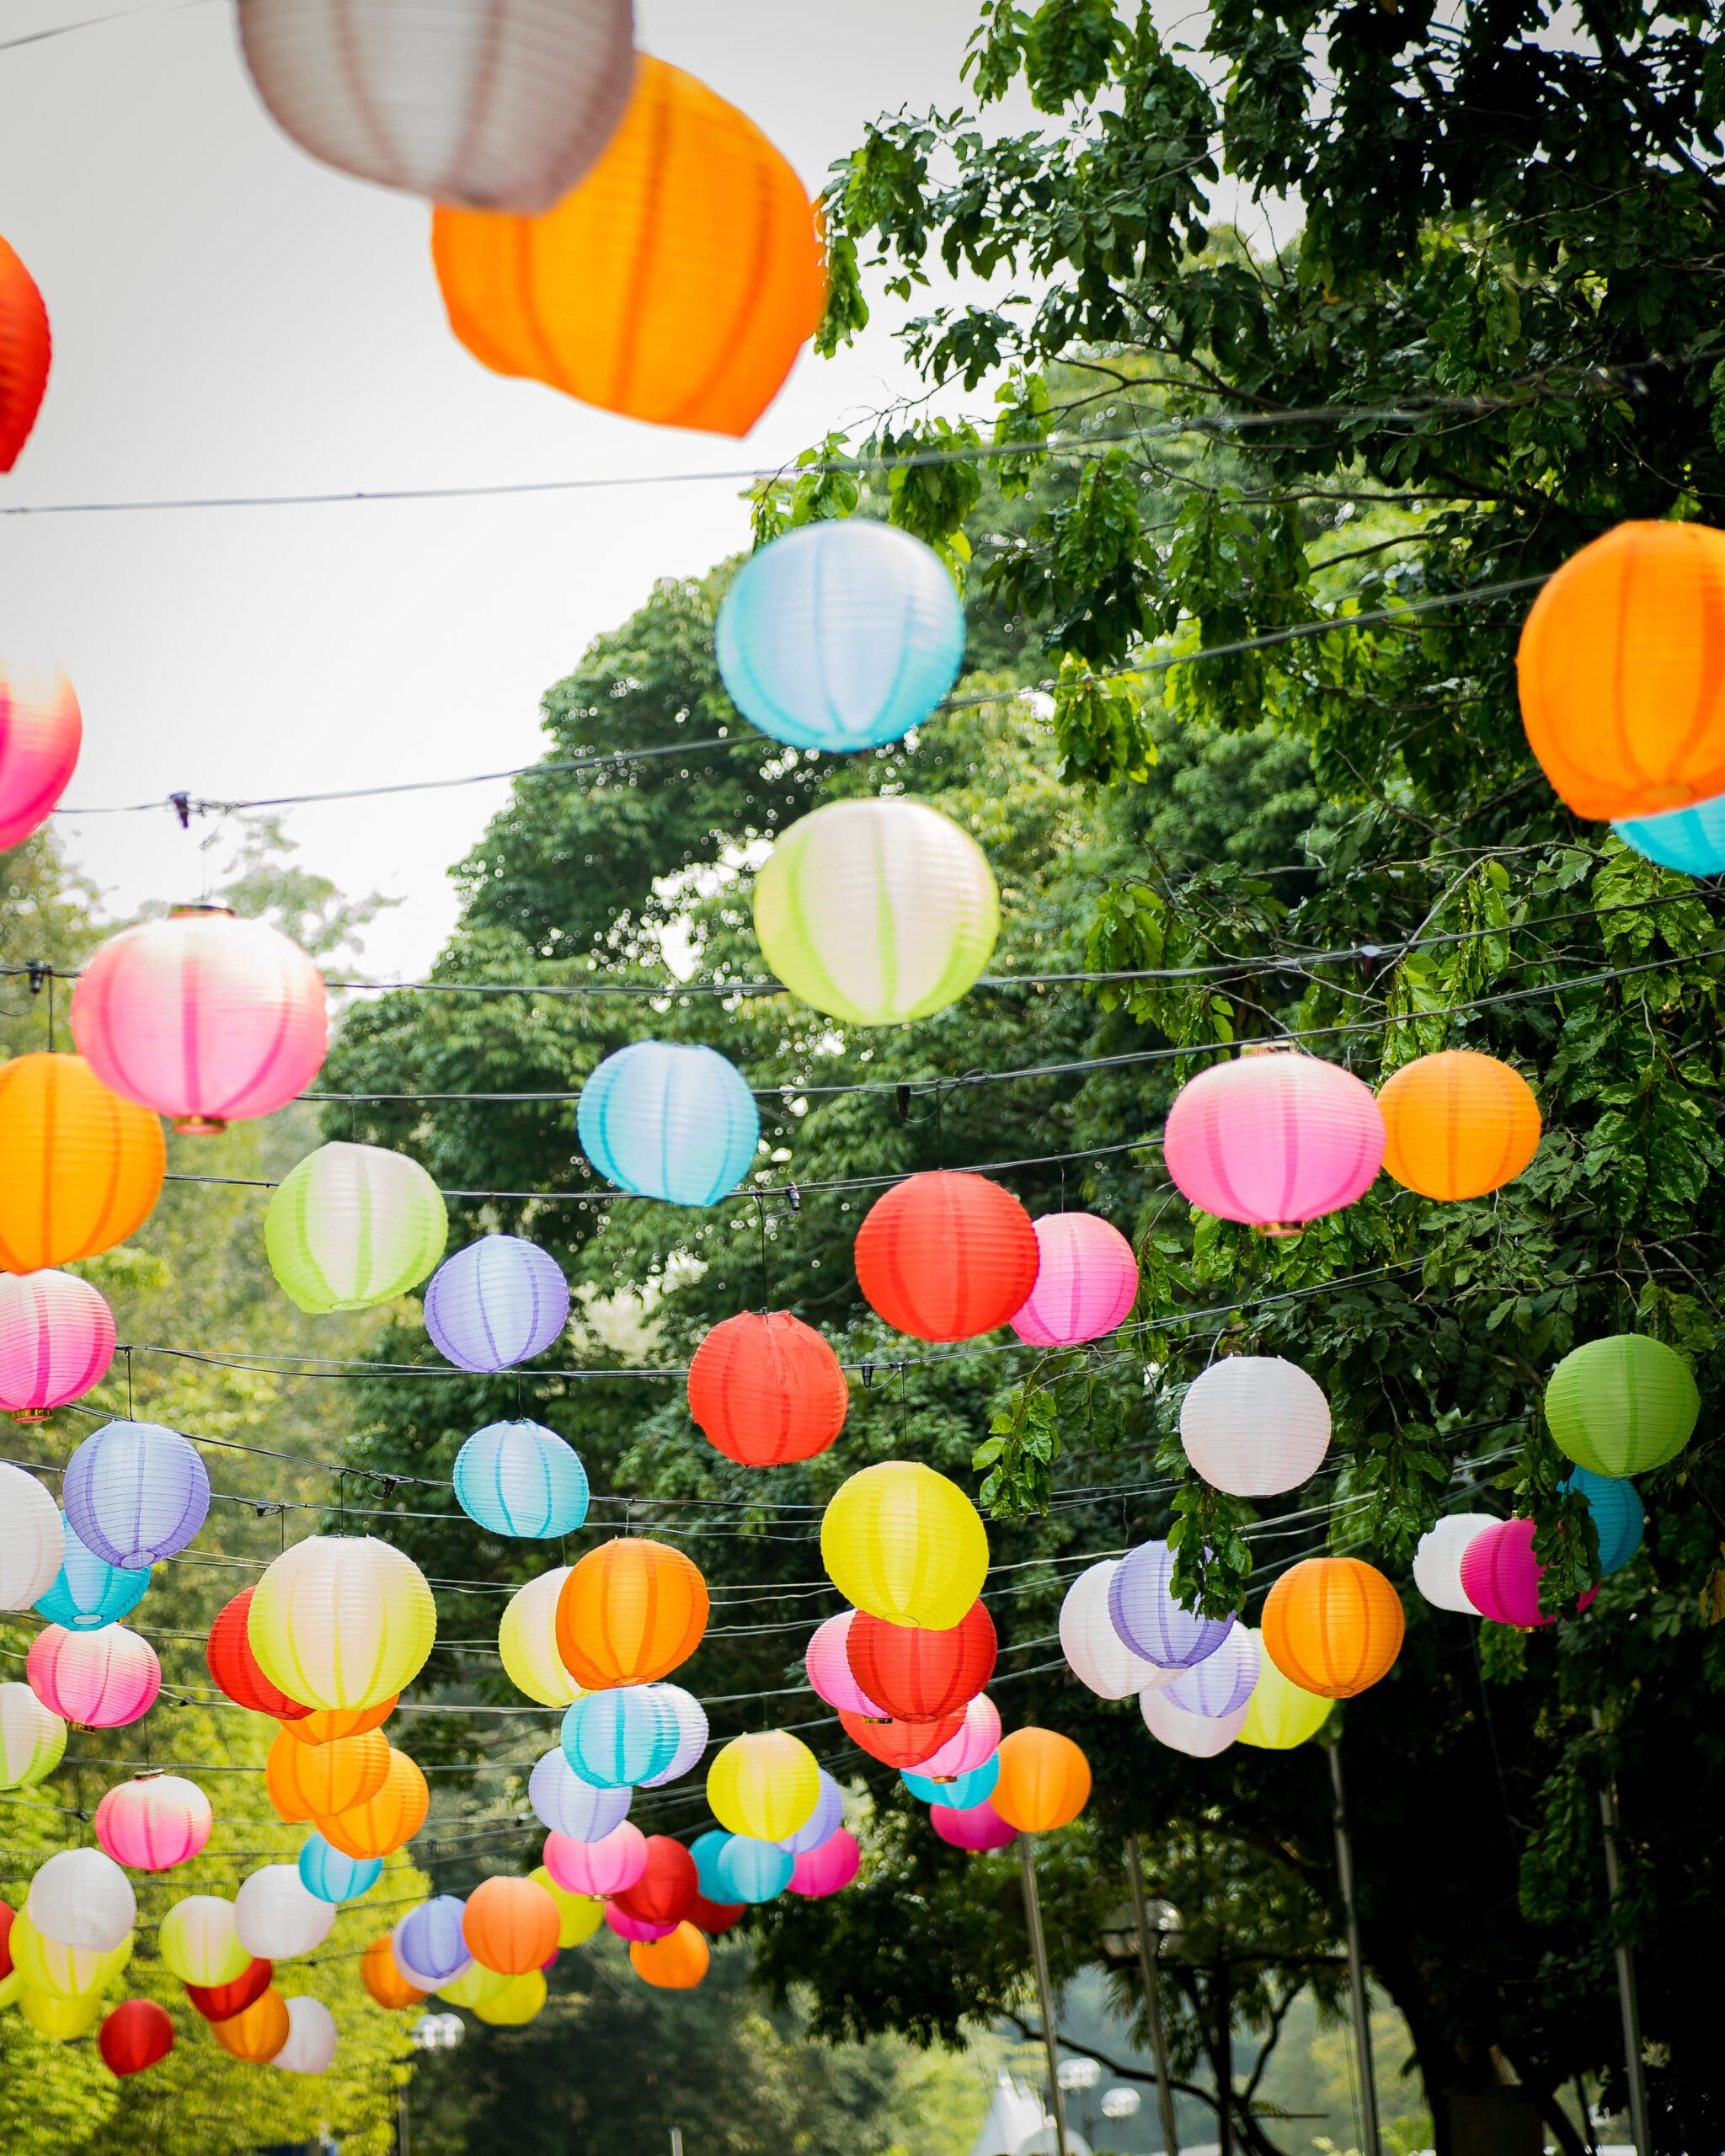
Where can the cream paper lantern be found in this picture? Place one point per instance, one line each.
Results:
(1200, 1737)
(199, 1944)
(526, 1639)
(1437, 1562)
(81, 1897)
(276, 1916)
(1096, 1654)
(32, 1540)
(32, 1738)
(1255, 1425)
(341, 1621)
(311, 2037)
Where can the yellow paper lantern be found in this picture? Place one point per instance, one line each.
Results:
(906, 1545)
(578, 1916)
(475, 1986)
(10, 1986)
(517, 2004)
(62, 2021)
(340, 1621)
(199, 1944)
(1280, 1715)
(58, 1972)
(764, 1786)
(526, 1639)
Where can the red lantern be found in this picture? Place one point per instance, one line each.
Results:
(135, 2037)
(234, 1667)
(918, 1675)
(8, 1917)
(715, 1919)
(25, 350)
(666, 1889)
(765, 1388)
(901, 1744)
(947, 1256)
(222, 2002)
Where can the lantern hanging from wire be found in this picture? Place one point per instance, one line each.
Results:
(608, 1865)
(566, 1805)
(520, 2002)
(1458, 1124)
(84, 1167)
(198, 1943)
(61, 2021)
(153, 1822)
(98, 1680)
(692, 1737)
(1691, 840)
(56, 1341)
(1223, 1681)
(135, 1493)
(578, 1916)
(977, 1739)
(1622, 1405)
(329, 1725)
(631, 1611)
(341, 1621)
(1619, 1517)
(42, 728)
(1273, 1138)
(904, 1545)
(1087, 1282)
(763, 1785)
(677, 1962)
(312, 1781)
(667, 1120)
(88, 1594)
(1045, 1781)
(621, 1925)
(1149, 1619)
(257, 2033)
(32, 1738)
(81, 1897)
(1199, 1737)
(918, 1674)
(823, 1822)
(1500, 1576)
(386, 1822)
(473, 1986)
(53, 1969)
(500, 1301)
(1437, 1562)
(978, 1830)
(235, 1668)
(1096, 1654)
(828, 1870)
(827, 1664)
(136, 2036)
(32, 1539)
(333, 1876)
(521, 1479)
(665, 1890)
(432, 1942)
(1333, 1625)
(765, 1388)
(351, 1226)
(26, 353)
(621, 1736)
(512, 1925)
(715, 1919)
(947, 1256)
(311, 2038)
(1255, 1425)
(901, 1744)
(277, 1917)
(526, 1640)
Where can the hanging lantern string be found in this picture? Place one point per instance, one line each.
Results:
(766, 1283)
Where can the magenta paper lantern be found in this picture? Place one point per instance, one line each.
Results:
(1273, 1138)
(634, 1929)
(975, 1743)
(1500, 1576)
(40, 730)
(611, 1865)
(154, 1822)
(203, 1016)
(1086, 1284)
(101, 1680)
(981, 1828)
(829, 1869)
(829, 1669)
(56, 1340)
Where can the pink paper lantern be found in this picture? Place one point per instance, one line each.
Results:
(154, 1822)
(41, 731)
(1087, 1282)
(1273, 1138)
(981, 1828)
(634, 1928)
(56, 1340)
(1500, 1576)
(204, 1017)
(611, 1865)
(100, 1680)
(827, 1870)
(978, 1741)
(829, 1669)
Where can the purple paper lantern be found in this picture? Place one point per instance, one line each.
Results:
(499, 1302)
(433, 1940)
(979, 1829)
(568, 1805)
(1149, 1619)
(829, 1869)
(820, 1826)
(136, 1493)
(1222, 1681)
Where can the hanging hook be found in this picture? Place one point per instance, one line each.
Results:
(181, 804)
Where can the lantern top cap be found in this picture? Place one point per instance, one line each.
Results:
(203, 906)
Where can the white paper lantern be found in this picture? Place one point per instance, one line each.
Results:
(1223, 1682)
(564, 1803)
(1200, 1737)
(278, 1918)
(32, 1738)
(1096, 1654)
(691, 1742)
(32, 1540)
(82, 1898)
(1437, 1562)
(311, 2037)
(526, 1639)
(1254, 1425)
(498, 104)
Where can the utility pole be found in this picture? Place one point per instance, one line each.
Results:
(676, 2141)
(1149, 1959)
(1038, 1955)
(1356, 1959)
(1627, 2001)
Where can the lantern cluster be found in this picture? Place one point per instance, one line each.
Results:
(68, 1944)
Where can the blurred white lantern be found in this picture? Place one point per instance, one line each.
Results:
(1096, 1654)
(1437, 1562)
(82, 1898)
(1254, 1425)
(1200, 1737)
(32, 1540)
(311, 2036)
(278, 1918)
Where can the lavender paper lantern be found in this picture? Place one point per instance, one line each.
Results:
(136, 1493)
(521, 1479)
(499, 1302)
(1222, 1682)
(1148, 1618)
(432, 1940)
(823, 1822)
(1086, 1284)
(578, 1810)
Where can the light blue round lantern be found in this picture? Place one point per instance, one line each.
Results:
(499, 1302)
(840, 636)
(88, 1594)
(752, 1871)
(665, 1120)
(691, 1742)
(1692, 838)
(822, 1824)
(333, 1877)
(963, 1792)
(1619, 1515)
(707, 1849)
(620, 1738)
(522, 1479)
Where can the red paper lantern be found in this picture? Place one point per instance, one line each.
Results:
(947, 1256)
(26, 349)
(8, 1917)
(234, 1667)
(135, 2037)
(666, 1891)
(901, 1744)
(715, 1919)
(918, 1675)
(222, 2002)
(765, 1388)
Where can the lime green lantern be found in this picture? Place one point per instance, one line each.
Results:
(1280, 1713)
(877, 911)
(354, 1225)
(1622, 1405)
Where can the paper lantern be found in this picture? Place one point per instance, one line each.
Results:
(715, 1919)
(947, 1256)
(764, 1785)
(154, 1822)
(904, 1545)
(828, 1870)
(1254, 1425)
(276, 1917)
(135, 1493)
(631, 1611)
(432, 1939)
(667, 1885)
(341, 1621)
(234, 1667)
(823, 1822)
(959, 1792)
(1273, 1138)
(526, 1639)
(87, 1594)
(8, 1917)
(578, 1916)
(1622, 1405)
(1148, 1618)
(920, 1675)
(1620, 1518)
(828, 1666)
(676, 284)
(204, 1017)
(1458, 1124)
(621, 1736)
(81, 1897)
(1223, 1681)
(877, 911)
(351, 1226)
(386, 1822)
(976, 1741)
(423, 1980)
(1437, 1562)
(56, 1341)
(568, 1805)
(1045, 1781)
(1692, 839)
(841, 635)
(99, 1680)
(677, 1962)
(134, 2036)
(499, 1302)
(32, 1738)
(32, 1539)
(255, 2035)
(765, 1388)
(473, 1986)
(199, 1944)
(41, 728)
(384, 1981)
(901, 1744)
(1621, 693)
(328, 1724)
(978, 1830)
(611, 1863)
(521, 1479)
(222, 2002)
(1500, 1576)
(1096, 1654)
(311, 1781)
(26, 348)
(705, 1850)
(512, 1925)
(1279, 1715)
(333, 1876)
(84, 1167)
(1199, 1737)
(751, 1870)
(58, 1971)
(61, 2021)
(692, 1737)
(1332, 1626)
(520, 2000)
(669, 1121)
(311, 2038)
(1087, 1282)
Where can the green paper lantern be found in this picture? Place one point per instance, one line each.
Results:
(352, 1226)
(1622, 1405)
(876, 911)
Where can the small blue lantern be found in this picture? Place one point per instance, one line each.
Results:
(1619, 1515)
(963, 1792)
(668, 1121)
(335, 1876)
(707, 1849)
(522, 1479)
(88, 1594)
(1690, 839)
(620, 1738)
(499, 1302)
(822, 1824)
(749, 1870)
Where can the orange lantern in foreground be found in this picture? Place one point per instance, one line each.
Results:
(511, 1925)
(312, 1781)
(258, 2033)
(326, 1725)
(26, 351)
(84, 1167)
(1458, 1124)
(675, 283)
(1045, 1781)
(384, 1822)
(677, 1962)
(1332, 1626)
(629, 1614)
(382, 1977)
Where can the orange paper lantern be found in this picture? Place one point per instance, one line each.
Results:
(384, 1822)
(510, 1926)
(82, 1166)
(324, 1724)
(629, 1614)
(258, 2033)
(312, 1781)
(381, 1975)
(1045, 1781)
(765, 1388)
(677, 1962)
(677, 283)
(26, 350)
(1459, 1124)
(1332, 1626)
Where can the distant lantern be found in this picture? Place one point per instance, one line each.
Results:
(1622, 1405)
(665, 1891)
(1087, 1282)
(526, 1640)
(205, 1018)
(312, 1781)
(765, 1388)
(352, 1226)
(714, 1918)
(81, 1899)
(692, 1737)
(84, 1167)
(827, 1665)
(499, 1302)
(978, 1829)
(198, 1943)
(920, 1675)
(311, 2038)
(1223, 1681)
(823, 1822)
(753, 1871)
(947, 1256)
(960, 1791)
(621, 1736)
(1619, 1517)
(1437, 1562)
(384, 1981)
(906, 1545)
(32, 1539)
(62, 2021)
(474, 1986)
(1045, 1781)
(566, 1805)
(1332, 1626)
(256, 2034)
(277, 1917)
(578, 1916)
(235, 1668)
(520, 2002)
(521, 1479)
(154, 1822)
(431, 1938)
(1273, 1138)
(222, 2002)
(384, 1823)
(1691, 840)
(333, 1876)
(26, 351)
(1255, 1425)
(1096, 1654)
(675, 283)
(497, 107)
(632, 1610)
(677, 1962)
(1500, 1576)
(88, 1594)
(841, 635)
(1148, 1618)
(1280, 1715)
(901, 1744)
(1621, 692)
(828, 1870)
(512, 1925)
(342, 1620)
(667, 1120)
(53, 1969)
(877, 911)
(56, 1341)
(42, 728)
(1458, 1124)
(977, 1739)
(610, 1864)
(706, 1849)
(32, 1738)
(135, 1493)
(764, 1785)
(98, 1680)
(1199, 1737)
(136, 2036)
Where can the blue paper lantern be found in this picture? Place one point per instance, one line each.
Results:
(707, 1849)
(1692, 839)
(1149, 1620)
(840, 636)
(522, 1479)
(622, 1737)
(499, 1302)
(1619, 1515)
(692, 1736)
(822, 1824)
(963, 1792)
(333, 1877)
(667, 1121)
(88, 1594)
(749, 1870)
(136, 1492)
(432, 1940)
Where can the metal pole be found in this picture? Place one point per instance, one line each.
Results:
(1149, 1956)
(1038, 1955)
(1627, 1998)
(1356, 1960)
(676, 2141)
(402, 2123)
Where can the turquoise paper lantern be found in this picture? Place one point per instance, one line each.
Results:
(749, 1870)
(1619, 1515)
(332, 1876)
(841, 635)
(522, 1479)
(668, 1121)
(622, 1737)
(88, 1593)
(707, 1849)
(963, 1792)
(1692, 839)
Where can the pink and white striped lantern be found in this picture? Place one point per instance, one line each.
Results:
(154, 1822)
(1500, 1576)
(609, 1867)
(56, 1341)
(975, 1743)
(828, 1870)
(978, 1828)
(829, 1669)
(634, 1928)
(1085, 1286)
(204, 1017)
(97, 1680)
(1275, 1139)
(42, 730)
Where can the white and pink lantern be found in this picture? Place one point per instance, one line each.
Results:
(98, 1680)
(975, 1744)
(41, 731)
(1273, 1138)
(154, 1822)
(56, 1341)
(611, 1865)
(1096, 1654)
(1086, 1284)
(828, 1667)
